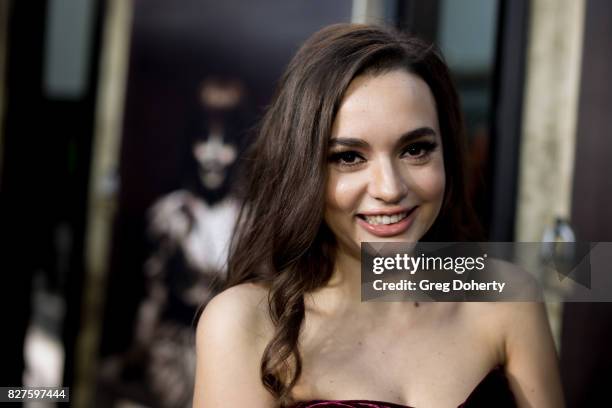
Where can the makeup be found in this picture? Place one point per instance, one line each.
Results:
(386, 230)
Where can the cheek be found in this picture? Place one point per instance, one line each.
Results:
(430, 183)
(343, 192)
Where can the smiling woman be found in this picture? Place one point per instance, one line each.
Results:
(363, 142)
(387, 179)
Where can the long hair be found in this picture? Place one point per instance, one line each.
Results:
(281, 239)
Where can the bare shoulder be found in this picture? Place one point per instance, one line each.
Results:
(238, 312)
(520, 286)
(508, 317)
(232, 334)
(521, 334)
(531, 363)
(241, 297)
(501, 323)
(504, 319)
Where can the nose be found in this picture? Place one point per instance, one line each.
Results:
(387, 183)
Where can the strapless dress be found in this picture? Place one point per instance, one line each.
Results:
(492, 391)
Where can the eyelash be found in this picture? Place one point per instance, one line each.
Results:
(346, 158)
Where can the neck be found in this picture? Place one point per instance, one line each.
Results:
(346, 278)
(343, 291)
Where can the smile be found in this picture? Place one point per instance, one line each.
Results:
(387, 225)
(385, 219)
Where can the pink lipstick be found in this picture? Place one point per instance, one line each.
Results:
(383, 224)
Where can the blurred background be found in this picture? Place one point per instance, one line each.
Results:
(122, 122)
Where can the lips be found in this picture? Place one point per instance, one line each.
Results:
(387, 223)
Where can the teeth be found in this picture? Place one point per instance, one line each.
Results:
(385, 219)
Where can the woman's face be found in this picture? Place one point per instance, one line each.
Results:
(386, 169)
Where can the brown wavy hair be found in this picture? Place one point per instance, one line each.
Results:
(281, 240)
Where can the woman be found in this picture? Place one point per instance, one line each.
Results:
(363, 142)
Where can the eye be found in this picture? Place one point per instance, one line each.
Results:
(348, 158)
(419, 150)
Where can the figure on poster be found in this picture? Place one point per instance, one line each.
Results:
(189, 229)
(192, 227)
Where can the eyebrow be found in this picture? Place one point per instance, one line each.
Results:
(405, 138)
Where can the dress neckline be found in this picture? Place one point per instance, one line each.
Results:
(384, 404)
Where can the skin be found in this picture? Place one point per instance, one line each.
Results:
(374, 169)
(430, 356)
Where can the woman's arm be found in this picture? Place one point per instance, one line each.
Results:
(531, 359)
(230, 340)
